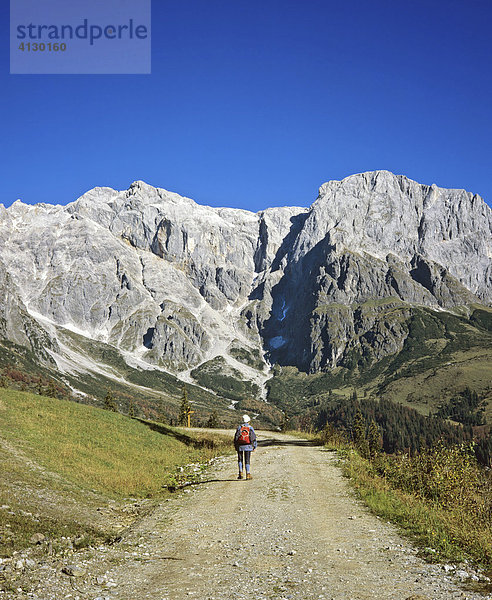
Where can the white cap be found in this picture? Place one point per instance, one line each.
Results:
(246, 419)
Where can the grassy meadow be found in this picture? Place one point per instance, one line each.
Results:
(65, 464)
(95, 448)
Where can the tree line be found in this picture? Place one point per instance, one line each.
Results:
(400, 429)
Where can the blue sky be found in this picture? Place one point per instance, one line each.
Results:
(256, 103)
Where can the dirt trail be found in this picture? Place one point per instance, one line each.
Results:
(294, 531)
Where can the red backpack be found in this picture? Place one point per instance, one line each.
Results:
(243, 439)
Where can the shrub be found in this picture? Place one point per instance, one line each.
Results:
(442, 496)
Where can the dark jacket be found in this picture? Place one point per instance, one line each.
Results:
(252, 437)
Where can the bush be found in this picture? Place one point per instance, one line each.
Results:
(333, 438)
(449, 476)
(441, 496)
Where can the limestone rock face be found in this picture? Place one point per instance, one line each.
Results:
(17, 325)
(213, 247)
(373, 236)
(176, 284)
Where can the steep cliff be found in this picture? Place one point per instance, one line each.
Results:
(174, 284)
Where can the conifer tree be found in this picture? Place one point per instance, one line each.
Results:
(161, 416)
(374, 439)
(109, 402)
(213, 420)
(359, 428)
(359, 433)
(51, 391)
(131, 408)
(185, 407)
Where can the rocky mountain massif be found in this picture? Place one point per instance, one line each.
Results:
(157, 283)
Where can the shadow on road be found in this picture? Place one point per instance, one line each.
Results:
(264, 443)
(182, 437)
(276, 442)
(188, 484)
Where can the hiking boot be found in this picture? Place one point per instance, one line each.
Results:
(240, 476)
(248, 476)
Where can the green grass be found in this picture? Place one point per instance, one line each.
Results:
(62, 461)
(426, 389)
(95, 448)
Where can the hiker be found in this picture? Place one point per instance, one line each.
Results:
(245, 443)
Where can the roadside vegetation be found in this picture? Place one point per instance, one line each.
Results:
(440, 495)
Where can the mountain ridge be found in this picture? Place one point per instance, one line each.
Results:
(175, 284)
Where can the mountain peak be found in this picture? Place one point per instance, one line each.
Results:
(176, 283)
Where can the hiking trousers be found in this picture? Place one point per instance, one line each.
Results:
(244, 458)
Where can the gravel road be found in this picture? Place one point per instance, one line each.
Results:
(293, 532)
